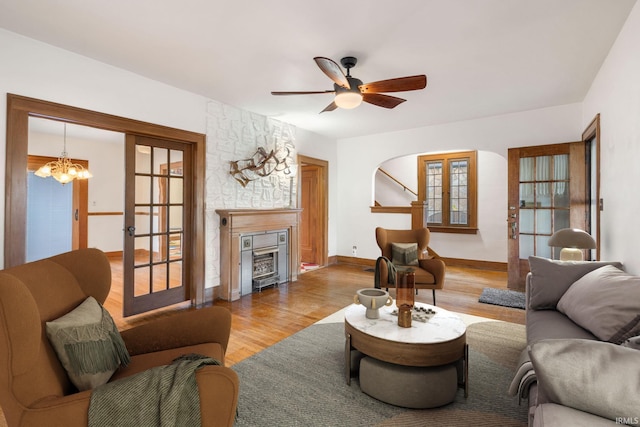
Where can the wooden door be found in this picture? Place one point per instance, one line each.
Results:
(314, 219)
(158, 204)
(547, 192)
(309, 218)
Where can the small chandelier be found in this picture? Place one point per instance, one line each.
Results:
(63, 170)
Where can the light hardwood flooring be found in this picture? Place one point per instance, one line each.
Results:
(261, 319)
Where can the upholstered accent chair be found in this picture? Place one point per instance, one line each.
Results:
(429, 268)
(35, 389)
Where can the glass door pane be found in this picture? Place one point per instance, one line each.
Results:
(160, 201)
(544, 202)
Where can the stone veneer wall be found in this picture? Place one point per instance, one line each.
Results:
(235, 134)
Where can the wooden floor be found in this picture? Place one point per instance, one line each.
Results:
(261, 319)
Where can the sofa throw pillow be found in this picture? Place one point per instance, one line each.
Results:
(591, 376)
(404, 253)
(550, 279)
(606, 302)
(88, 344)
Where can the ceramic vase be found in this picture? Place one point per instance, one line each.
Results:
(372, 299)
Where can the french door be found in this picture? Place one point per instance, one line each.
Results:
(157, 229)
(547, 192)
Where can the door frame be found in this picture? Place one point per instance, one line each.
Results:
(321, 233)
(593, 132)
(20, 108)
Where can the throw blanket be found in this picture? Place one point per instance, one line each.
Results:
(161, 396)
(391, 272)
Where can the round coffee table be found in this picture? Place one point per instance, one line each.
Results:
(431, 345)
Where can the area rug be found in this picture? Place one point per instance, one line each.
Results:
(300, 382)
(503, 297)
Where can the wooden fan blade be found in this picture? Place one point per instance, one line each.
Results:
(333, 71)
(382, 100)
(303, 93)
(400, 84)
(329, 107)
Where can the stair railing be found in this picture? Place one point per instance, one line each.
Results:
(404, 187)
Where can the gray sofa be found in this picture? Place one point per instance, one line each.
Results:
(580, 366)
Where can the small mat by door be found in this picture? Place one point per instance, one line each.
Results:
(503, 297)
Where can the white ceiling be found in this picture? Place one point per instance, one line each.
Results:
(481, 57)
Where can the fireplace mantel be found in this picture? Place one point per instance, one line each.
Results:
(236, 222)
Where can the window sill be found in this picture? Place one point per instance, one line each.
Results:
(455, 230)
(391, 209)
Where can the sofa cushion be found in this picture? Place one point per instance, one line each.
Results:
(551, 324)
(88, 344)
(404, 253)
(551, 414)
(606, 302)
(592, 376)
(550, 279)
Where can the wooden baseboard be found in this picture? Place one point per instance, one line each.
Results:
(356, 261)
(211, 294)
(477, 264)
(114, 254)
(453, 262)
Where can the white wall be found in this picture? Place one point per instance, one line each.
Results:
(615, 94)
(490, 136)
(388, 192)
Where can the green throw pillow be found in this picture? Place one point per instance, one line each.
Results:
(404, 253)
(88, 344)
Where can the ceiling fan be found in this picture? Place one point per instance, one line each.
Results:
(350, 91)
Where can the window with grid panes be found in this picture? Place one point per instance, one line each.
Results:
(447, 182)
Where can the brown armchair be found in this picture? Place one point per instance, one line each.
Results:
(34, 387)
(429, 273)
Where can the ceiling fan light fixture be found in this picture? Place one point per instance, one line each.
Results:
(350, 92)
(348, 99)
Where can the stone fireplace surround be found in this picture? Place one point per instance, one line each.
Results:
(234, 223)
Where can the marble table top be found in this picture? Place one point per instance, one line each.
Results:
(442, 327)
